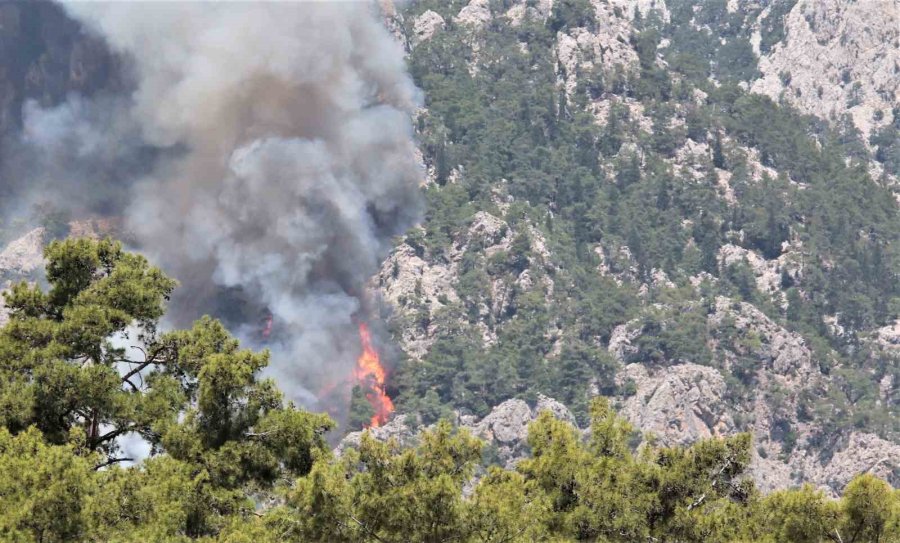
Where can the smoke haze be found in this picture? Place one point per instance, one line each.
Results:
(265, 159)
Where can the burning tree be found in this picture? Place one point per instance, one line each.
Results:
(370, 376)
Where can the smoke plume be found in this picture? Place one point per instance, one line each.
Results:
(284, 162)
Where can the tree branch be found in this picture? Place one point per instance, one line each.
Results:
(136, 389)
(697, 503)
(365, 528)
(109, 435)
(112, 461)
(138, 369)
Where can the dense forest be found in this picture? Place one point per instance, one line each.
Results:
(508, 135)
(231, 462)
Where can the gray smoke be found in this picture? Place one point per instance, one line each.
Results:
(78, 156)
(288, 164)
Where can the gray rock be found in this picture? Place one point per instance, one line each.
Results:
(19, 260)
(505, 428)
(507, 423)
(476, 14)
(841, 57)
(679, 404)
(425, 26)
(23, 256)
(397, 429)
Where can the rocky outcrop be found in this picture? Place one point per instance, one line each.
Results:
(425, 26)
(757, 373)
(19, 260)
(679, 404)
(621, 340)
(419, 287)
(407, 281)
(783, 352)
(504, 430)
(539, 10)
(400, 429)
(475, 15)
(686, 402)
(23, 256)
(888, 337)
(605, 46)
(768, 273)
(864, 453)
(838, 56)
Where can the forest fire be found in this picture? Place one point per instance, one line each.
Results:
(370, 374)
(267, 326)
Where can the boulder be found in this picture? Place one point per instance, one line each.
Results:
(426, 25)
(679, 405)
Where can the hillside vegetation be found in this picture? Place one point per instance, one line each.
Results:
(229, 462)
(609, 207)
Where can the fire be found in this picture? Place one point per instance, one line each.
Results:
(370, 374)
(267, 327)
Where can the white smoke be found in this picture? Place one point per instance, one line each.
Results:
(295, 162)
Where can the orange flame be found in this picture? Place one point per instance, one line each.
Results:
(267, 327)
(370, 374)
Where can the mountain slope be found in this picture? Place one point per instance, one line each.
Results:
(613, 211)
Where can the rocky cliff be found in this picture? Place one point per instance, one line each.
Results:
(504, 430)
(44, 56)
(750, 368)
(21, 260)
(837, 58)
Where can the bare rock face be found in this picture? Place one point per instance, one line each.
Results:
(839, 56)
(538, 10)
(399, 429)
(679, 405)
(24, 255)
(504, 429)
(506, 424)
(420, 288)
(425, 26)
(888, 337)
(865, 453)
(862, 453)
(781, 352)
(19, 260)
(476, 14)
(621, 338)
(406, 279)
(581, 50)
(682, 403)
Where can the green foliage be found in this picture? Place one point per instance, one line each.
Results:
(508, 134)
(887, 140)
(673, 335)
(568, 14)
(230, 462)
(43, 489)
(772, 26)
(570, 489)
(69, 391)
(232, 438)
(361, 411)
